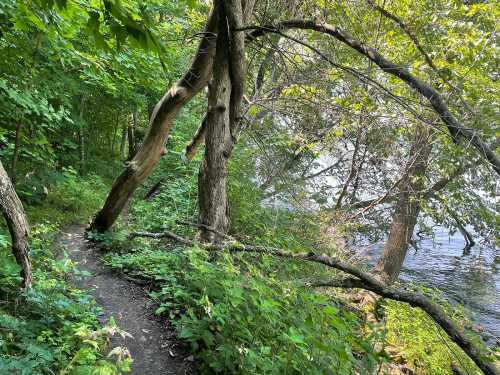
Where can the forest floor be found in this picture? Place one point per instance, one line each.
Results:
(154, 346)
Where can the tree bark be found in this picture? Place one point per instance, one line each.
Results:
(132, 145)
(406, 210)
(212, 178)
(469, 240)
(13, 212)
(15, 154)
(223, 118)
(197, 141)
(153, 146)
(239, 62)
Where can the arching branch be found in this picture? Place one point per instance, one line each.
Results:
(456, 130)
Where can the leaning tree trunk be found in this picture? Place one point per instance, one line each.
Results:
(406, 211)
(224, 108)
(153, 146)
(12, 210)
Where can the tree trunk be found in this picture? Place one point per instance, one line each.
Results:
(123, 141)
(222, 120)
(13, 212)
(469, 240)
(15, 154)
(82, 138)
(240, 71)
(352, 171)
(406, 210)
(212, 178)
(197, 141)
(164, 114)
(132, 146)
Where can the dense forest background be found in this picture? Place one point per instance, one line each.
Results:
(235, 156)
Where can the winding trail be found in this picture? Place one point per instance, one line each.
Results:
(153, 346)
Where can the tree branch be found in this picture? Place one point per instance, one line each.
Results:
(198, 139)
(425, 194)
(414, 299)
(456, 130)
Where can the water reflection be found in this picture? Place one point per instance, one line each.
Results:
(470, 278)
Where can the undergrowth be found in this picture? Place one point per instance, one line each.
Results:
(53, 328)
(240, 313)
(254, 314)
(422, 344)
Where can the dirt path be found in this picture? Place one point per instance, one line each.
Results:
(153, 346)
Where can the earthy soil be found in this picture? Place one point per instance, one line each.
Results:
(153, 346)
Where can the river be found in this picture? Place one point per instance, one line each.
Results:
(472, 279)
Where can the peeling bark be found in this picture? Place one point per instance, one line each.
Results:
(222, 120)
(212, 178)
(239, 62)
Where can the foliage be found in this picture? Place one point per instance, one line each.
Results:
(245, 318)
(422, 344)
(70, 199)
(77, 78)
(53, 327)
(242, 317)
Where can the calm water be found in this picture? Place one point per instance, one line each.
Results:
(473, 280)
